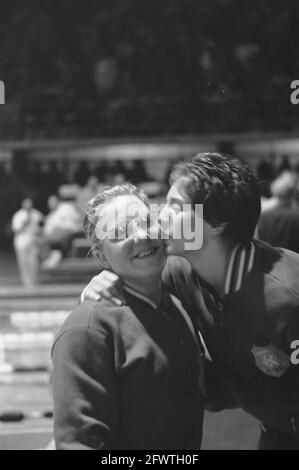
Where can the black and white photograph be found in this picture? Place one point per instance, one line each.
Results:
(149, 227)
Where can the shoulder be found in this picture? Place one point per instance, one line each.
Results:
(102, 317)
(37, 214)
(19, 213)
(269, 204)
(281, 269)
(66, 207)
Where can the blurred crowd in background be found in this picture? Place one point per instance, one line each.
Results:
(41, 180)
(56, 203)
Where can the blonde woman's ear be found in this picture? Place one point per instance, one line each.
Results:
(102, 258)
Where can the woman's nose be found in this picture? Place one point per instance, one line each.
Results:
(140, 233)
(163, 215)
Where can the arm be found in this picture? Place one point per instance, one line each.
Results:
(85, 396)
(177, 278)
(19, 222)
(107, 285)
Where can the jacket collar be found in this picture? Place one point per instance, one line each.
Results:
(140, 296)
(239, 266)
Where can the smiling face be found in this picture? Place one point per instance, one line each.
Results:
(175, 216)
(132, 255)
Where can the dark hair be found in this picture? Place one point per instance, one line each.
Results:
(92, 215)
(228, 190)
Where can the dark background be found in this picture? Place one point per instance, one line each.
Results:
(134, 67)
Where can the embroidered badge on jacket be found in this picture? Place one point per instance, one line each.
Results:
(270, 359)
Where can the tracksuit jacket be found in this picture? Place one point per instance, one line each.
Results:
(127, 377)
(248, 333)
